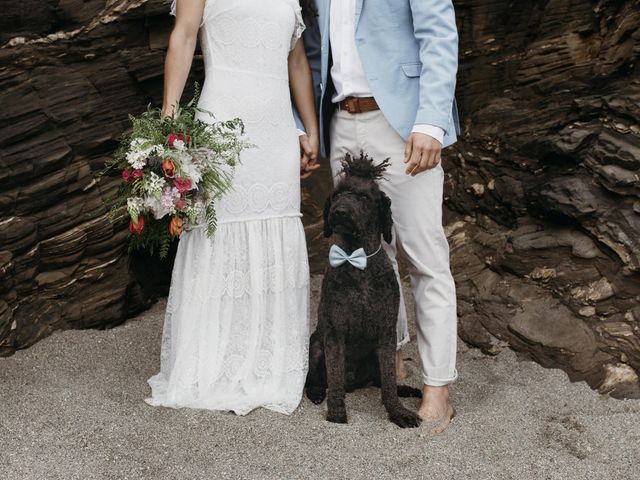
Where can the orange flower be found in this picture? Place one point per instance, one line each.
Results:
(176, 226)
(169, 168)
(136, 228)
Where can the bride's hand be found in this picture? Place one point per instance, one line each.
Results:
(309, 147)
(167, 112)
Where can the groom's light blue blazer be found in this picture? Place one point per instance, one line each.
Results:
(409, 51)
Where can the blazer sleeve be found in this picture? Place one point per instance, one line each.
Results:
(434, 26)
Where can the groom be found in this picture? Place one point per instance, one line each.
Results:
(385, 75)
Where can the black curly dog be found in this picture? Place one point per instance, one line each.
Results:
(356, 334)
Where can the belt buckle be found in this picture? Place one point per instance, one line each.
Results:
(351, 105)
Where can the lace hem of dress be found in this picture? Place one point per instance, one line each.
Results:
(285, 404)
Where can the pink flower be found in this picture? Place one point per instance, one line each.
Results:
(137, 174)
(178, 136)
(169, 196)
(180, 204)
(126, 175)
(182, 184)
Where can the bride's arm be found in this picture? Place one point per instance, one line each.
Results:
(182, 45)
(301, 85)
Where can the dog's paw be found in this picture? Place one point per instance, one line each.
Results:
(405, 418)
(316, 394)
(337, 417)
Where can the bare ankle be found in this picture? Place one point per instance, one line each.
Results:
(401, 372)
(440, 391)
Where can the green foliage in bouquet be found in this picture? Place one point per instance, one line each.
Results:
(174, 169)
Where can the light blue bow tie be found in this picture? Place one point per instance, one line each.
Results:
(358, 258)
(338, 257)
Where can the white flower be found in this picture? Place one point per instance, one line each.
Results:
(136, 158)
(153, 184)
(196, 212)
(178, 144)
(157, 149)
(134, 206)
(189, 168)
(137, 142)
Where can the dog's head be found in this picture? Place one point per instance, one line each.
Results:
(357, 207)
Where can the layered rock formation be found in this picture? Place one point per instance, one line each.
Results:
(70, 74)
(542, 190)
(547, 258)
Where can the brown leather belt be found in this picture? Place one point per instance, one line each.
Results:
(358, 105)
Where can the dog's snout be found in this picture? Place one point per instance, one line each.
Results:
(340, 212)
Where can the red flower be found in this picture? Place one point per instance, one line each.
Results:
(182, 184)
(126, 175)
(176, 226)
(178, 136)
(136, 228)
(169, 168)
(137, 174)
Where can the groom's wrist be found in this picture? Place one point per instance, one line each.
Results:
(432, 130)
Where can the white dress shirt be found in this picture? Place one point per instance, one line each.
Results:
(347, 72)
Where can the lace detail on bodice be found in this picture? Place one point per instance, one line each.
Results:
(245, 45)
(295, 5)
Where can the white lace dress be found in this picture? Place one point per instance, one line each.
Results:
(236, 328)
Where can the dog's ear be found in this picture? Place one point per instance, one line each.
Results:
(327, 227)
(384, 217)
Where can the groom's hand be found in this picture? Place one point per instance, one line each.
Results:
(421, 153)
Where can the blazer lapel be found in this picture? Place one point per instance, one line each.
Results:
(358, 11)
(325, 13)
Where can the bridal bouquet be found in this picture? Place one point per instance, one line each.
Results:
(173, 171)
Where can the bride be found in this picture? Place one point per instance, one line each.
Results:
(236, 327)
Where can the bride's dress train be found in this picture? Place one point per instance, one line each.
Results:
(236, 328)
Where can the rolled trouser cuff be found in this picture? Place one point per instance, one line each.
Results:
(433, 381)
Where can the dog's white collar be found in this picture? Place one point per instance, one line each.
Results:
(376, 252)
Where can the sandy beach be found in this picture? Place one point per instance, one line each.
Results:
(71, 407)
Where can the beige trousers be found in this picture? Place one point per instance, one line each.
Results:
(416, 205)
